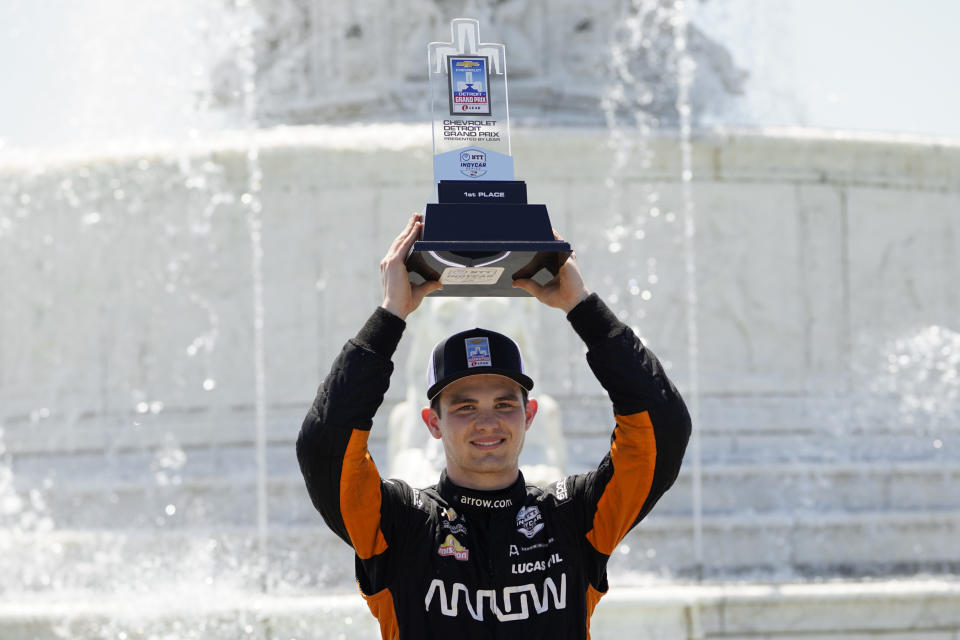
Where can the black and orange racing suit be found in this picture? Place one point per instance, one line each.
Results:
(523, 562)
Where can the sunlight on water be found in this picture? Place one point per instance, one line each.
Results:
(922, 372)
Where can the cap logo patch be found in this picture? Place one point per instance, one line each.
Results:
(478, 353)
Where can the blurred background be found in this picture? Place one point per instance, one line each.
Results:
(194, 200)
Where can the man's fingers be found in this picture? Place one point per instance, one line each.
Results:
(412, 234)
(408, 231)
(402, 243)
(422, 290)
(399, 296)
(530, 286)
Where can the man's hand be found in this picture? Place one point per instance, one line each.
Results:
(399, 297)
(565, 291)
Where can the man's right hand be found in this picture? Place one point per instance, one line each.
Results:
(400, 297)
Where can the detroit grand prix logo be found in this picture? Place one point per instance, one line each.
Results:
(469, 82)
(478, 353)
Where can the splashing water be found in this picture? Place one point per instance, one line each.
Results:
(922, 370)
(685, 70)
(168, 461)
(254, 209)
(634, 206)
(653, 36)
(25, 527)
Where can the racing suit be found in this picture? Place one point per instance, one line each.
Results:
(522, 562)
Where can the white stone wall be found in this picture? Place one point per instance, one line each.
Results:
(805, 246)
(128, 288)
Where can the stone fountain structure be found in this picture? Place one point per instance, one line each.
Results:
(338, 61)
(132, 470)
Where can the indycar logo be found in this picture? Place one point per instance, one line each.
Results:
(473, 164)
(513, 602)
(529, 521)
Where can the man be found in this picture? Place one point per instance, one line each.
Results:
(480, 554)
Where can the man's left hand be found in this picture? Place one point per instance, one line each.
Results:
(565, 291)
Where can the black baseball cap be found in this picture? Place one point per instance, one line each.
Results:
(474, 352)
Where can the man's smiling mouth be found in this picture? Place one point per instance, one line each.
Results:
(488, 444)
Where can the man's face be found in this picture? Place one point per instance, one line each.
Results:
(482, 423)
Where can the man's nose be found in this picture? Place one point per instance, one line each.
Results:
(486, 418)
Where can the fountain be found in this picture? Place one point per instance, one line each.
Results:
(169, 308)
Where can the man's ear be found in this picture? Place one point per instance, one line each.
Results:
(432, 420)
(531, 412)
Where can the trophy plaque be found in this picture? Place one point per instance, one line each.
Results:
(481, 234)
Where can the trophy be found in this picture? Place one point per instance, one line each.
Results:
(481, 234)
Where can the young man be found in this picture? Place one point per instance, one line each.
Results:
(481, 554)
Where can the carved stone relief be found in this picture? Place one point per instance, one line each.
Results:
(342, 60)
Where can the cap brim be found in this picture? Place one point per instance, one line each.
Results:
(523, 380)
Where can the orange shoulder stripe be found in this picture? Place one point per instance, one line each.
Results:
(634, 456)
(360, 497)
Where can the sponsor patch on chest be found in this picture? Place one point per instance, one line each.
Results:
(452, 547)
(529, 521)
(518, 568)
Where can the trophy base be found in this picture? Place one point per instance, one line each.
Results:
(477, 242)
(485, 269)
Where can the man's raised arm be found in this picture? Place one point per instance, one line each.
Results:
(652, 422)
(341, 478)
